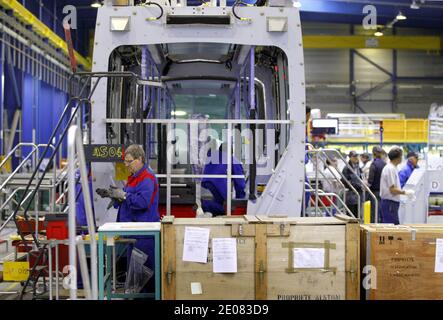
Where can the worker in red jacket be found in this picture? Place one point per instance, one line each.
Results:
(138, 200)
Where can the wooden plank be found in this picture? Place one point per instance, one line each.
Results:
(302, 220)
(168, 219)
(216, 286)
(278, 230)
(261, 262)
(209, 221)
(364, 259)
(242, 230)
(168, 262)
(310, 283)
(352, 261)
(239, 285)
(245, 250)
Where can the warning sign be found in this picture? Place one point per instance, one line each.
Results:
(15, 271)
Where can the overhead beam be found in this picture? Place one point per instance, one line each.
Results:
(427, 43)
(42, 29)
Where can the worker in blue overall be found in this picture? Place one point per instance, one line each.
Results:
(407, 170)
(217, 165)
(81, 220)
(138, 201)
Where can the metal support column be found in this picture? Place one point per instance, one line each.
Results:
(394, 77)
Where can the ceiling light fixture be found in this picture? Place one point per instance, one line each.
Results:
(296, 4)
(378, 33)
(414, 5)
(178, 113)
(96, 4)
(400, 16)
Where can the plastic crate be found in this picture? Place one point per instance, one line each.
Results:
(28, 227)
(56, 226)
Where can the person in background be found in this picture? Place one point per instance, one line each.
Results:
(137, 202)
(390, 189)
(218, 186)
(353, 177)
(80, 217)
(410, 166)
(365, 165)
(374, 177)
(384, 156)
(332, 183)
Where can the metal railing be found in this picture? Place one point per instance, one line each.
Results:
(324, 154)
(75, 146)
(22, 163)
(70, 113)
(330, 196)
(8, 200)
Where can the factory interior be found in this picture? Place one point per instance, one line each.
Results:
(213, 150)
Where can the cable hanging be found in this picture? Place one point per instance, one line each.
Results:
(149, 3)
(236, 3)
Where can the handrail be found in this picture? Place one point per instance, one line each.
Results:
(364, 186)
(320, 151)
(326, 178)
(10, 198)
(11, 153)
(75, 145)
(54, 168)
(66, 110)
(12, 175)
(77, 101)
(328, 194)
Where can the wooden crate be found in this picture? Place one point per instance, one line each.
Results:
(264, 250)
(177, 275)
(404, 260)
(338, 279)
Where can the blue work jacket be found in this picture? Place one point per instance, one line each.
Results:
(405, 173)
(141, 203)
(219, 166)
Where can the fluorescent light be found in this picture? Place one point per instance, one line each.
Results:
(178, 113)
(378, 33)
(414, 5)
(96, 4)
(401, 16)
(212, 95)
(296, 4)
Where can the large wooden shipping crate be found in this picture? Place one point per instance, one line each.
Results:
(274, 257)
(404, 261)
(336, 277)
(179, 276)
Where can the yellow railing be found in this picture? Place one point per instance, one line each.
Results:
(405, 131)
(394, 131)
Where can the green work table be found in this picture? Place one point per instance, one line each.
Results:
(127, 229)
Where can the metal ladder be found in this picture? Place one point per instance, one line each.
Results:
(320, 156)
(64, 179)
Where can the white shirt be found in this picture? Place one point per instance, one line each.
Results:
(365, 171)
(331, 184)
(389, 178)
